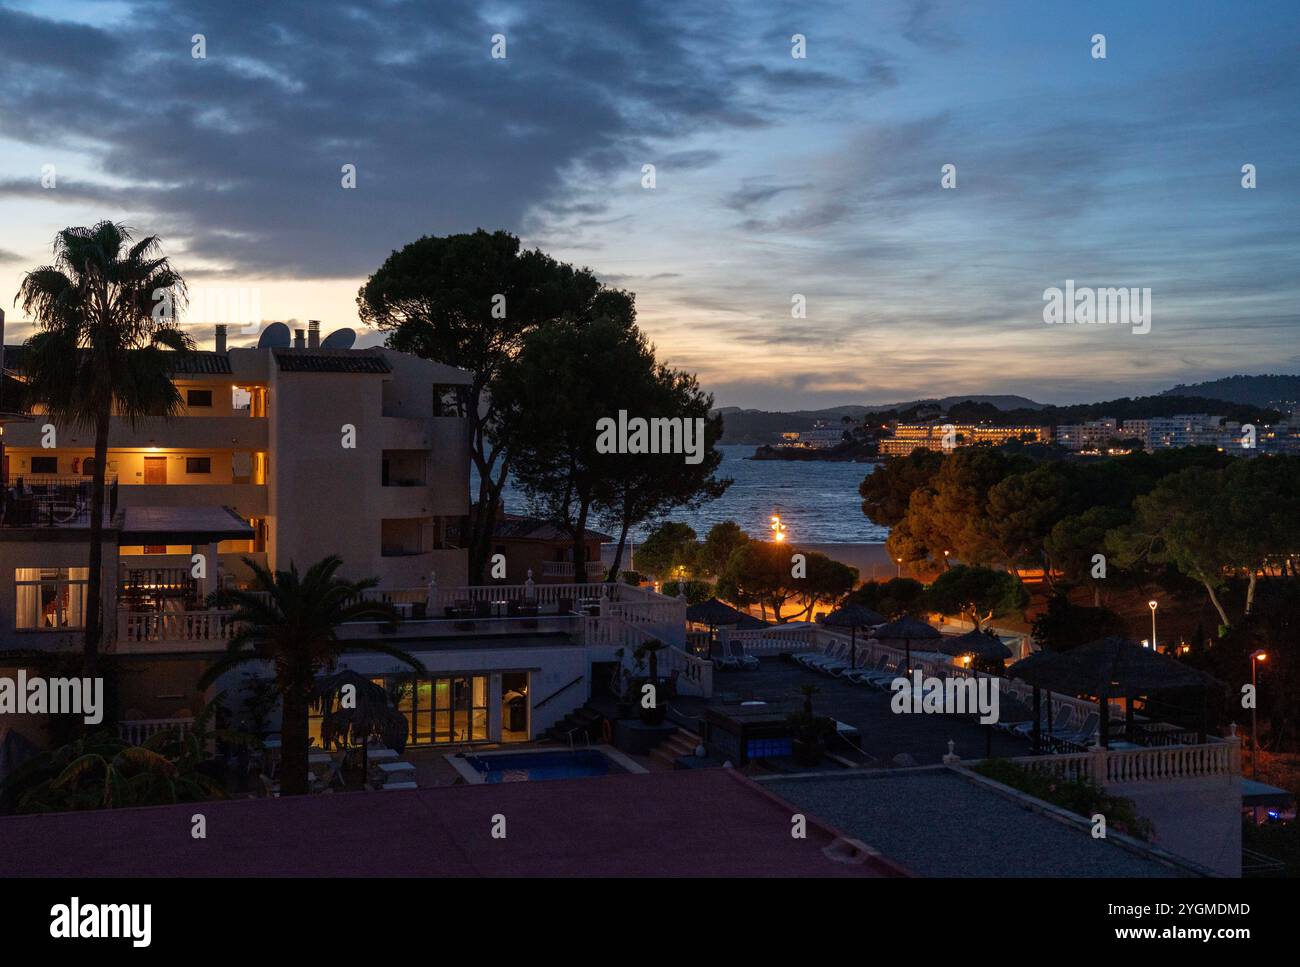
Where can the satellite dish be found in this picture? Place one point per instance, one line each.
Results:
(274, 336)
(339, 339)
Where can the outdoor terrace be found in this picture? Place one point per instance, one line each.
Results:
(1151, 751)
(47, 500)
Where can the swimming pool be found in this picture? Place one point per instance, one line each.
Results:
(535, 766)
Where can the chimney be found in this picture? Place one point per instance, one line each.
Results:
(221, 338)
(313, 334)
(298, 339)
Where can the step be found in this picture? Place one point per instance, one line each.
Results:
(662, 756)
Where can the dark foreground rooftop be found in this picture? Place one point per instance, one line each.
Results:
(940, 822)
(689, 823)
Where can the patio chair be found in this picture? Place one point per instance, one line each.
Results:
(1081, 736)
(857, 675)
(1014, 711)
(834, 652)
(885, 680)
(737, 652)
(1061, 725)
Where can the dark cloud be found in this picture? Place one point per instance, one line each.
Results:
(240, 154)
(925, 26)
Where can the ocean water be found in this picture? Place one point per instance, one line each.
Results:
(818, 500)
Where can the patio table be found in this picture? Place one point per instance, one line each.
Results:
(391, 767)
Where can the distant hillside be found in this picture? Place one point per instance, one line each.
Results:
(759, 427)
(1276, 392)
(764, 426)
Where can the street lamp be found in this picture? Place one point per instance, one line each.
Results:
(945, 559)
(900, 566)
(1153, 604)
(778, 528)
(1256, 659)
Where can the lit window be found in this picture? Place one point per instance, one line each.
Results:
(50, 598)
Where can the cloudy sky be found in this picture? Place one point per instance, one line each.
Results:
(775, 176)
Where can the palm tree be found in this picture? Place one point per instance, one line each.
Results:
(292, 621)
(370, 714)
(105, 316)
(100, 771)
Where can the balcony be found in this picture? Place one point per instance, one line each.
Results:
(246, 499)
(180, 432)
(46, 500)
(595, 570)
(149, 632)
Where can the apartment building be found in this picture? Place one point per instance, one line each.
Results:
(907, 437)
(318, 451)
(1185, 430)
(285, 455)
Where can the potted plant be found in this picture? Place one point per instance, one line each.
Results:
(808, 730)
(648, 653)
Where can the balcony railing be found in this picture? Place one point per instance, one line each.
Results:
(47, 500)
(175, 627)
(564, 569)
(136, 731)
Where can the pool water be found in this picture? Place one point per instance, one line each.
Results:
(533, 766)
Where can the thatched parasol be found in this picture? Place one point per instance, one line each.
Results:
(907, 630)
(853, 617)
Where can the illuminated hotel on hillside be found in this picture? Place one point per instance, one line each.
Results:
(931, 436)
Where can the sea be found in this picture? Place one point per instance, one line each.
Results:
(817, 500)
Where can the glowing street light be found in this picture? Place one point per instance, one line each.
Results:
(778, 528)
(1153, 604)
(1256, 659)
(900, 566)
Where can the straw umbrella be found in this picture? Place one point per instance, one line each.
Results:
(906, 629)
(979, 644)
(1110, 668)
(853, 617)
(717, 614)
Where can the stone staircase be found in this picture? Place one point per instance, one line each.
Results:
(680, 743)
(581, 722)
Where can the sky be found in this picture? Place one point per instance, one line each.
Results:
(775, 177)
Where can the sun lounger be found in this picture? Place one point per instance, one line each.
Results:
(1081, 736)
(1061, 725)
(858, 674)
(737, 653)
